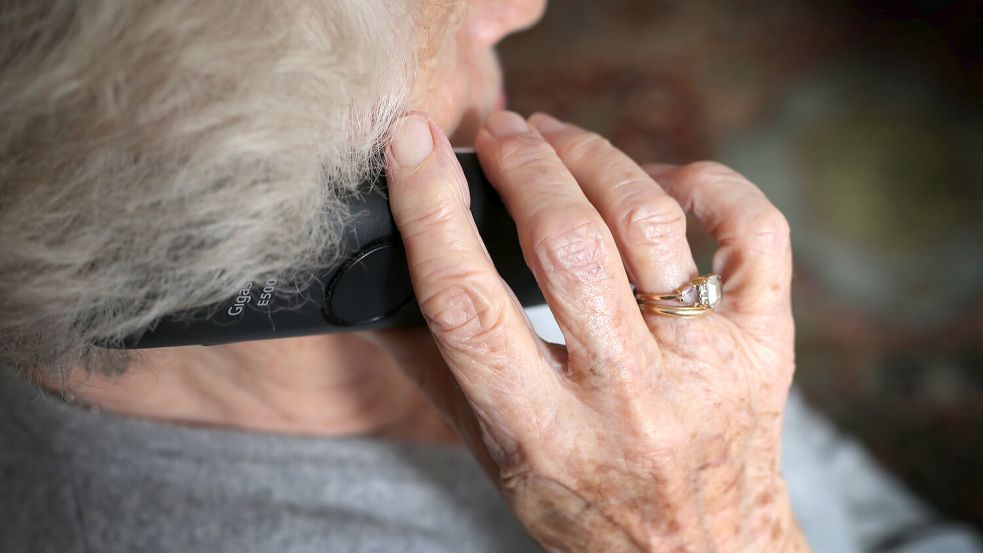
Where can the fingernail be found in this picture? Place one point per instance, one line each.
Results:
(506, 123)
(412, 142)
(545, 123)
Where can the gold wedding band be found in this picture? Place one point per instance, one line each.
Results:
(693, 299)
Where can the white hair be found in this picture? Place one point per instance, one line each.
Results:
(156, 155)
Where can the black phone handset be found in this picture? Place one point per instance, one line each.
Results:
(368, 288)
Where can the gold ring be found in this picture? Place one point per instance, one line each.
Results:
(693, 299)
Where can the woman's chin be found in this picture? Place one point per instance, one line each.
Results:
(467, 128)
(463, 135)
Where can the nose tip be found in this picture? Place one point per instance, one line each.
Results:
(534, 10)
(496, 19)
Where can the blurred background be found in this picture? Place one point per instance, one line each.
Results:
(860, 120)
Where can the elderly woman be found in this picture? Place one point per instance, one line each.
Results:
(155, 155)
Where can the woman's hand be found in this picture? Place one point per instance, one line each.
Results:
(644, 433)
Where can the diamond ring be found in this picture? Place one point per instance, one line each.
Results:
(693, 299)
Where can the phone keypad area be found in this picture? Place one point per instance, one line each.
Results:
(373, 285)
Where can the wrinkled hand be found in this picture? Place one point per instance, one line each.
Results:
(644, 433)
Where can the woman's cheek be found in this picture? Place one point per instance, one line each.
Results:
(437, 93)
(460, 82)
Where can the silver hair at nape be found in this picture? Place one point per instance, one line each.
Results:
(156, 155)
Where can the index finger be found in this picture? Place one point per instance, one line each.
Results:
(481, 331)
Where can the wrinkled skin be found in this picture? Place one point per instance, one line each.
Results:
(645, 432)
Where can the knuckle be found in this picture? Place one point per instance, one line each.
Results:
(581, 145)
(462, 316)
(428, 220)
(617, 372)
(653, 220)
(769, 232)
(574, 252)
